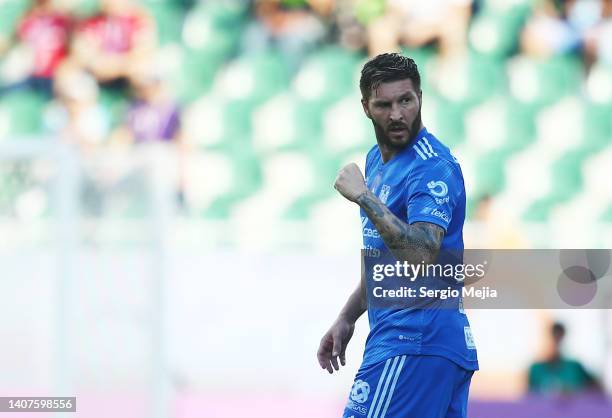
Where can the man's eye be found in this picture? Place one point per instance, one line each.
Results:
(406, 100)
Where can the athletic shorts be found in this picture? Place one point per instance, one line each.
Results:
(410, 386)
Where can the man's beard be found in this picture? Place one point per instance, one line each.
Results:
(383, 138)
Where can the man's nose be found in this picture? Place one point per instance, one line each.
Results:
(396, 114)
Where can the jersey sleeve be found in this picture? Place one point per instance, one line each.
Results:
(433, 193)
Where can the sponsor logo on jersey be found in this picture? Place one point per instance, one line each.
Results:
(440, 214)
(360, 409)
(438, 188)
(368, 232)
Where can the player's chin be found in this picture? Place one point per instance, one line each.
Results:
(399, 138)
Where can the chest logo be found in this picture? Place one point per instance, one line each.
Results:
(438, 188)
(384, 193)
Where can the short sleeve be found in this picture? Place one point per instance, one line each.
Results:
(434, 193)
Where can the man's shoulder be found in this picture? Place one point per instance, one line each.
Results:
(430, 150)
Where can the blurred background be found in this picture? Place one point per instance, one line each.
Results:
(171, 242)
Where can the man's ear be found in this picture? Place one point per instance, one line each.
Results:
(364, 104)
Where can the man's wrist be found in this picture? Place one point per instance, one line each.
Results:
(347, 318)
(362, 197)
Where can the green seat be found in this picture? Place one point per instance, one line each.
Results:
(607, 215)
(597, 125)
(470, 81)
(168, 18)
(566, 173)
(196, 73)
(496, 34)
(327, 75)
(489, 168)
(10, 14)
(450, 127)
(247, 169)
(21, 113)
(542, 83)
(326, 171)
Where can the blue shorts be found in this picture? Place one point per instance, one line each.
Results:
(410, 386)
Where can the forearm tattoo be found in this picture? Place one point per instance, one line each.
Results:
(419, 242)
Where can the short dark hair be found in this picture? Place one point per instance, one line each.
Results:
(385, 68)
(558, 330)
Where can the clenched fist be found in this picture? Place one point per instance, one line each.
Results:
(350, 182)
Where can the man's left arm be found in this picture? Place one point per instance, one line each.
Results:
(415, 243)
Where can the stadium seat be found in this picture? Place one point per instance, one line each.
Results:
(286, 177)
(593, 201)
(599, 84)
(204, 122)
(495, 32)
(242, 178)
(12, 10)
(168, 18)
(566, 182)
(466, 80)
(543, 82)
(327, 75)
(326, 170)
(345, 127)
(20, 113)
(500, 122)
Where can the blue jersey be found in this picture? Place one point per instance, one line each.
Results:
(422, 183)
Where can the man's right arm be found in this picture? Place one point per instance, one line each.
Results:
(334, 342)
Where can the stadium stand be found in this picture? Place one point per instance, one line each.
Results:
(530, 130)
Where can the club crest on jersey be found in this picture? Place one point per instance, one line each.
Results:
(384, 193)
(360, 391)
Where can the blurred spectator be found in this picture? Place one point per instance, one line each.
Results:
(154, 117)
(557, 27)
(559, 375)
(295, 27)
(350, 24)
(75, 115)
(111, 43)
(415, 24)
(42, 36)
(153, 114)
(598, 37)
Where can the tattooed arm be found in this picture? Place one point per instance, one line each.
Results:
(414, 243)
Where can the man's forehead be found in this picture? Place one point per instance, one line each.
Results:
(392, 89)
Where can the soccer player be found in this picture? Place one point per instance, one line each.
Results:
(418, 363)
